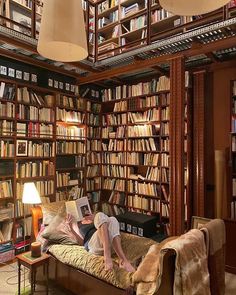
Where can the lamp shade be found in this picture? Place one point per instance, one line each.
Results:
(30, 194)
(191, 7)
(62, 35)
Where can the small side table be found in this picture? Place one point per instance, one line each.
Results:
(32, 263)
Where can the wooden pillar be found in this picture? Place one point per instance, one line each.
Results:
(177, 99)
(198, 144)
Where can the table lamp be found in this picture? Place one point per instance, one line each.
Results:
(31, 196)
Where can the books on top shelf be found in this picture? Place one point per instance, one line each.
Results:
(7, 91)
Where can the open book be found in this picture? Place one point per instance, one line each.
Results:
(78, 208)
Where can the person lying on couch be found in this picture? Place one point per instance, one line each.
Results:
(100, 234)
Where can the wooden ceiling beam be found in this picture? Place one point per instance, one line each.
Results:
(149, 63)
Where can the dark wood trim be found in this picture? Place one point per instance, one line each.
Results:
(199, 143)
(177, 99)
(149, 63)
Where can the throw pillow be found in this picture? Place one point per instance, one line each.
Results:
(50, 210)
(59, 232)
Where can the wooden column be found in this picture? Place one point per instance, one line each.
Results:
(177, 98)
(198, 143)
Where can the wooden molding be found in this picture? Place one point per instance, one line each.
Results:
(177, 97)
(199, 144)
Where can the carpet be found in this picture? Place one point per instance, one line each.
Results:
(9, 282)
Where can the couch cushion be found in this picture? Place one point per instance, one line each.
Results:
(76, 256)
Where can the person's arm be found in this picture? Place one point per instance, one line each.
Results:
(74, 229)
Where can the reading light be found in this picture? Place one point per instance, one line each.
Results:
(192, 7)
(30, 194)
(62, 35)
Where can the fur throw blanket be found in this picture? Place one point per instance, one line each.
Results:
(191, 270)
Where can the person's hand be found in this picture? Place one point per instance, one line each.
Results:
(69, 220)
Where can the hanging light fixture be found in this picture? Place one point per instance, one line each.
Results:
(192, 7)
(62, 35)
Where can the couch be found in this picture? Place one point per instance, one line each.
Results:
(157, 265)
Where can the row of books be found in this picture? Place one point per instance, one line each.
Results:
(34, 130)
(40, 149)
(6, 128)
(149, 159)
(144, 203)
(114, 145)
(7, 109)
(71, 132)
(143, 188)
(117, 198)
(113, 171)
(94, 145)
(129, 10)
(146, 116)
(7, 91)
(143, 145)
(28, 96)
(114, 184)
(65, 179)
(142, 88)
(106, 5)
(69, 116)
(93, 119)
(6, 190)
(7, 148)
(34, 169)
(109, 132)
(22, 209)
(25, 112)
(93, 184)
(103, 21)
(160, 14)
(114, 158)
(93, 171)
(7, 212)
(114, 119)
(143, 102)
(143, 130)
(93, 132)
(93, 158)
(66, 147)
(64, 101)
(94, 107)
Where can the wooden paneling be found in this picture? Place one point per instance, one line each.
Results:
(177, 98)
(199, 144)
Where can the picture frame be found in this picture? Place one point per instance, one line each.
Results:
(198, 222)
(22, 148)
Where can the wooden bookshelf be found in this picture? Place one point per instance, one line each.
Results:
(43, 140)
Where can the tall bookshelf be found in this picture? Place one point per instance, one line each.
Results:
(46, 137)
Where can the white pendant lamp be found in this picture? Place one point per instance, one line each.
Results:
(192, 7)
(62, 35)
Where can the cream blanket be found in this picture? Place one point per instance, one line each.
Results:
(191, 269)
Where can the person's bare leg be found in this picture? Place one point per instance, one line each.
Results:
(104, 238)
(124, 262)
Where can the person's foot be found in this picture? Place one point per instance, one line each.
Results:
(127, 266)
(108, 263)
